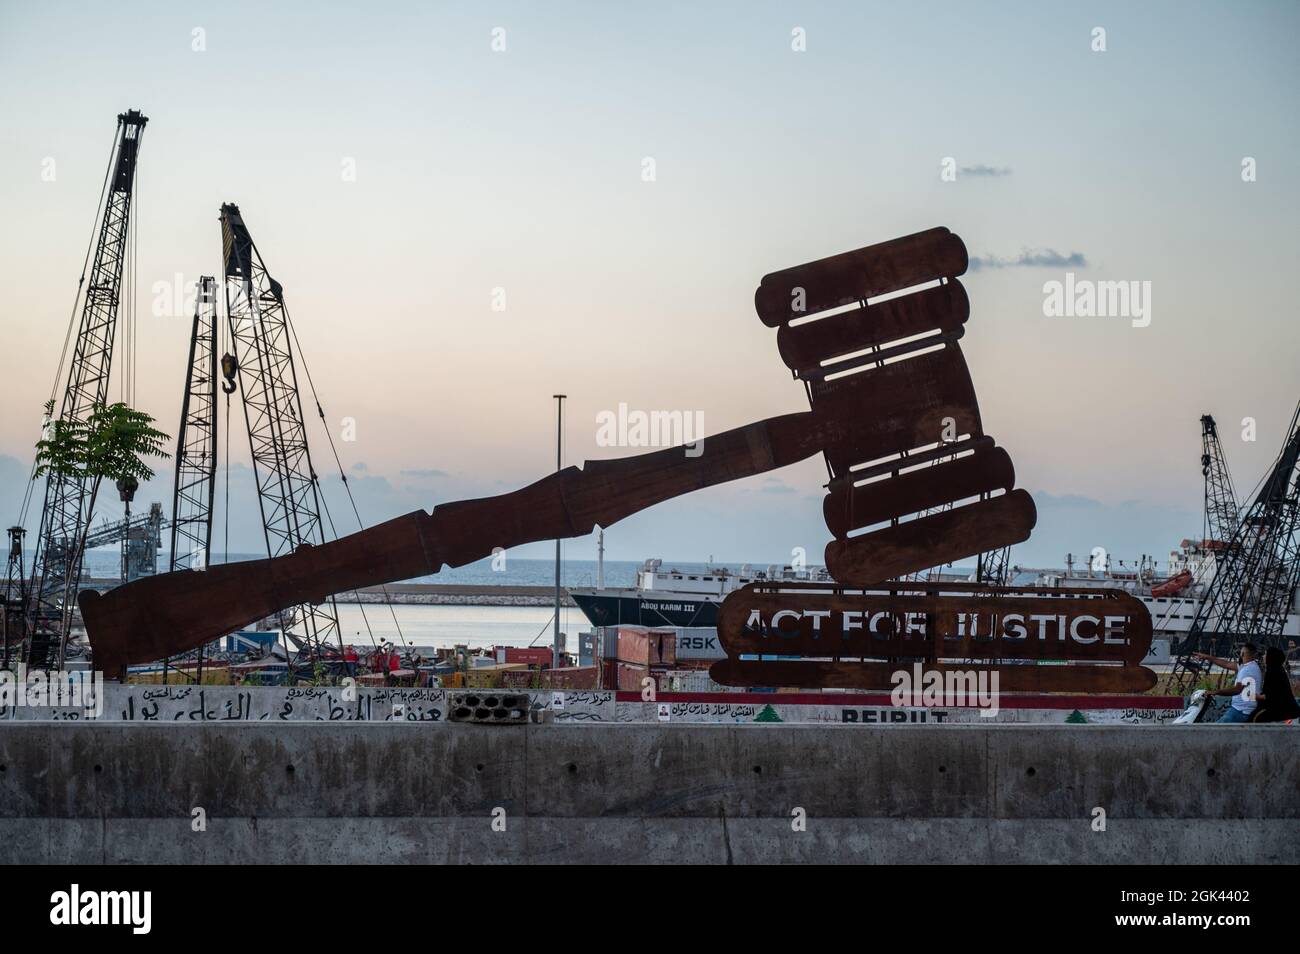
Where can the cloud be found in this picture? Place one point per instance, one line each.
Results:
(1077, 524)
(424, 472)
(1073, 501)
(376, 484)
(1031, 258)
(982, 170)
(774, 486)
(360, 466)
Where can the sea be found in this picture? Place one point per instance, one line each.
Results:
(105, 563)
(420, 624)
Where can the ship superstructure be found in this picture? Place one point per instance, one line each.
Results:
(671, 597)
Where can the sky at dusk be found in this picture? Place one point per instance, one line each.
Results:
(463, 231)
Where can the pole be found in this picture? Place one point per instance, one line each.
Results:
(559, 435)
(126, 546)
(600, 561)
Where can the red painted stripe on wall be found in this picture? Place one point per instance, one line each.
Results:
(881, 699)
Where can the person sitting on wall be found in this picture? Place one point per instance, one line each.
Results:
(1245, 689)
(1276, 700)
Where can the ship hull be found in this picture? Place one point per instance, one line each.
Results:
(632, 607)
(629, 607)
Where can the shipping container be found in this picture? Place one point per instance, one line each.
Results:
(539, 657)
(644, 646)
(588, 648)
(489, 677)
(609, 642)
(699, 644)
(571, 677)
(631, 676)
(690, 680)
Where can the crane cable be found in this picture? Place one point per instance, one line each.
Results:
(132, 317)
(226, 506)
(329, 516)
(72, 318)
(124, 295)
(324, 503)
(343, 476)
(545, 626)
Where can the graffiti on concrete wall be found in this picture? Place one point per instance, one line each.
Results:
(833, 714)
(576, 705)
(570, 707)
(250, 704)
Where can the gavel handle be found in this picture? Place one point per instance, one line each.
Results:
(168, 614)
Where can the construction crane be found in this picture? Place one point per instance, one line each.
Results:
(15, 595)
(1221, 511)
(287, 488)
(196, 446)
(1257, 573)
(141, 536)
(196, 439)
(64, 518)
(993, 567)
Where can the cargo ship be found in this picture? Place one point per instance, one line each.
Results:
(675, 598)
(669, 597)
(1173, 597)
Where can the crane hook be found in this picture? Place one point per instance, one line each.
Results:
(229, 366)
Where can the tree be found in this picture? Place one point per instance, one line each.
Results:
(112, 443)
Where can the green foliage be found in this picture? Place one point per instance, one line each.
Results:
(112, 443)
(62, 451)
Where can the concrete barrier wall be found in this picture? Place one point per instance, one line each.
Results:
(146, 703)
(118, 792)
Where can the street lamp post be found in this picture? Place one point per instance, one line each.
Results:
(559, 435)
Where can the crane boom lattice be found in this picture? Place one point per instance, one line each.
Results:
(196, 440)
(1254, 586)
(287, 489)
(1221, 511)
(56, 568)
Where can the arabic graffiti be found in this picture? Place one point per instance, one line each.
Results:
(177, 704)
(870, 717)
(300, 704)
(256, 704)
(576, 705)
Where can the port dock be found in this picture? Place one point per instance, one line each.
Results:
(431, 594)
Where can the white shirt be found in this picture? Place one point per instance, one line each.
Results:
(1250, 676)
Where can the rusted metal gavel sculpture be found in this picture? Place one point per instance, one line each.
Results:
(889, 389)
(927, 457)
(898, 362)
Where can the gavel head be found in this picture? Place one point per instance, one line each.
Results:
(875, 334)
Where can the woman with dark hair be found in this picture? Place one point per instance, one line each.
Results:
(1276, 701)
